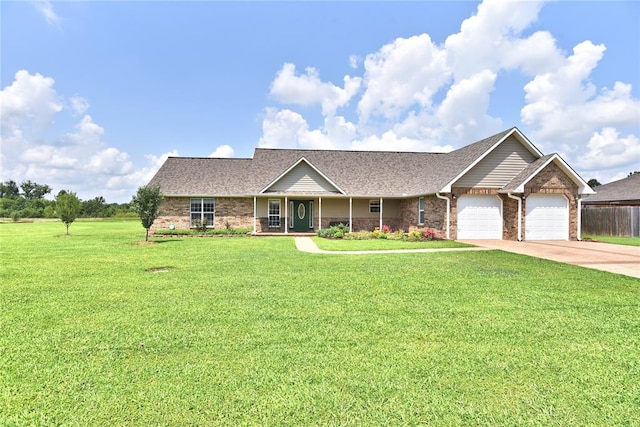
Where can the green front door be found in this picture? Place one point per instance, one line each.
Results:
(301, 215)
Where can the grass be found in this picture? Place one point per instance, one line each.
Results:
(96, 329)
(629, 241)
(382, 244)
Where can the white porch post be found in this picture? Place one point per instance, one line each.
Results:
(255, 214)
(380, 228)
(579, 217)
(350, 214)
(319, 213)
(286, 215)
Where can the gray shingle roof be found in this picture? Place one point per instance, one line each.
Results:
(357, 173)
(625, 189)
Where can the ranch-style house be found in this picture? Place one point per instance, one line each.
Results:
(501, 187)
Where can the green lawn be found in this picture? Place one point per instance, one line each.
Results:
(98, 330)
(629, 241)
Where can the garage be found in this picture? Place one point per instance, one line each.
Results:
(479, 217)
(547, 217)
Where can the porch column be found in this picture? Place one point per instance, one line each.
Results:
(579, 217)
(319, 213)
(255, 214)
(350, 214)
(380, 228)
(286, 215)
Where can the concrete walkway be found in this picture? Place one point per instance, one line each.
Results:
(618, 259)
(306, 244)
(600, 256)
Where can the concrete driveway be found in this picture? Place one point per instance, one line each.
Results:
(600, 256)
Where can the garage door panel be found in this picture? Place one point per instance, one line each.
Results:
(479, 217)
(547, 217)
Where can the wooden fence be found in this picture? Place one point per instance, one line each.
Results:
(622, 221)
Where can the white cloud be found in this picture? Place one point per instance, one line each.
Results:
(223, 151)
(79, 160)
(606, 149)
(400, 75)
(29, 102)
(308, 89)
(46, 9)
(417, 95)
(79, 105)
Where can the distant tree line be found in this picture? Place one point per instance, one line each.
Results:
(27, 200)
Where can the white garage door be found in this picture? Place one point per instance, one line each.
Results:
(547, 217)
(479, 217)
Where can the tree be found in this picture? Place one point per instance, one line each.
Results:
(593, 183)
(146, 203)
(9, 189)
(68, 207)
(633, 173)
(33, 191)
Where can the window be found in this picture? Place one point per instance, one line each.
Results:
(310, 214)
(203, 211)
(421, 210)
(274, 213)
(374, 206)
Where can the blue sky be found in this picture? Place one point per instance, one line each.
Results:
(95, 95)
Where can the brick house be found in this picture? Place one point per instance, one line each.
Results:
(501, 187)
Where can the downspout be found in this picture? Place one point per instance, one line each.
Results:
(380, 214)
(511, 196)
(255, 214)
(350, 214)
(448, 212)
(579, 217)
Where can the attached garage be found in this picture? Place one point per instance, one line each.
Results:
(547, 217)
(479, 217)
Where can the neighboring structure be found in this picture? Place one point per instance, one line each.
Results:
(501, 187)
(614, 210)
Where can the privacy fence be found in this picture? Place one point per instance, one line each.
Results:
(622, 221)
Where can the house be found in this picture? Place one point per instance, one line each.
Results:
(501, 187)
(614, 210)
(624, 192)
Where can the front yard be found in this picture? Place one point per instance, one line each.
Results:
(98, 330)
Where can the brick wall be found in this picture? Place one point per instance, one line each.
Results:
(234, 212)
(551, 180)
(435, 214)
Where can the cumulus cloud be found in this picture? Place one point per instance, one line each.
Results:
(79, 160)
(223, 151)
(415, 94)
(609, 147)
(308, 89)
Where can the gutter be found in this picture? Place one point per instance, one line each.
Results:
(448, 212)
(511, 196)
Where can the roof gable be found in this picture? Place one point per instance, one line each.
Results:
(518, 182)
(469, 156)
(302, 177)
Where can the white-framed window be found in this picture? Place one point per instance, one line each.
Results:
(374, 206)
(421, 210)
(274, 213)
(203, 211)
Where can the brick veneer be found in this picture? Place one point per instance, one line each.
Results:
(238, 212)
(232, 212)
(551, 180)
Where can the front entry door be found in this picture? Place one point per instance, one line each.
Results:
(301, 215)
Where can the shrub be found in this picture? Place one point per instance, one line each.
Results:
(201, 225)
(334, 232)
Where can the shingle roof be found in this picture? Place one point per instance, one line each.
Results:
(197, 176)
(617, 191)
(357, 173)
